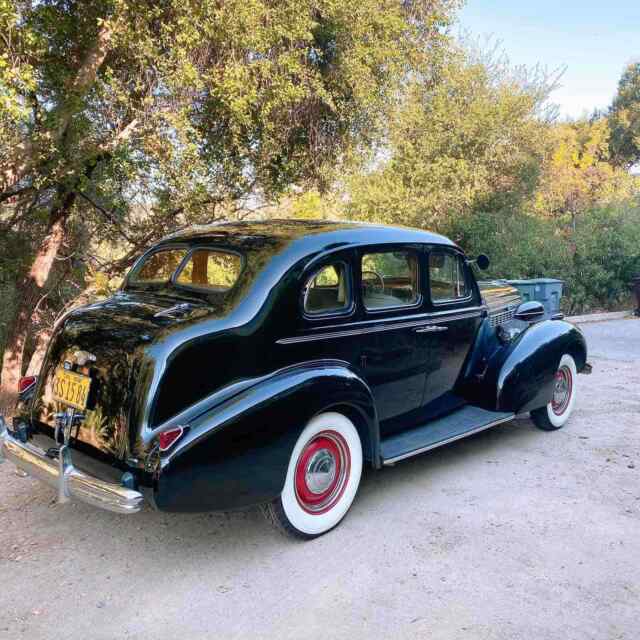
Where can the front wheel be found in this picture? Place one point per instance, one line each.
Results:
(322, 478)
(557, 412)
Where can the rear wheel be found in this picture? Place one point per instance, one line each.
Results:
(322, 478)
(557, 412)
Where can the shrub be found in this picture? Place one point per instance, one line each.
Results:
(596, 260)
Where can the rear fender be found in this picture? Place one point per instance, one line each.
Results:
(518, 376)
(236, 454)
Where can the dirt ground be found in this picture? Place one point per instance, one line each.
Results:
(514, 533)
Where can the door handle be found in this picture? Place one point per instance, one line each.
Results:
(431, 328)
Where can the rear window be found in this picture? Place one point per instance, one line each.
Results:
(211, 269)
(159, 267)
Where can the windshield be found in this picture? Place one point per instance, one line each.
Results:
(205, 269)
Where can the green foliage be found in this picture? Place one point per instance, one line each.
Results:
(577, 173)
(624, 116)
(596, 261)
(471, 154)
(200, 101)
(607, 256)
(460, 141)
(519, 246)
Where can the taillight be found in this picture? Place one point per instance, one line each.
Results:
(26, 383)
(168, 438)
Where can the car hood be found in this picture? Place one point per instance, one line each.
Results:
(498, 295)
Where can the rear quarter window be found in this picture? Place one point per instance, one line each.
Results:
(328, 290)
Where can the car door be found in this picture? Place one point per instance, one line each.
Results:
(392, 302)
(455, 310)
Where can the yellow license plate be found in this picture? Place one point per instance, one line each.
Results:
(71, 388)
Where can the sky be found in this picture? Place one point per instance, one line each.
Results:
(594, 40)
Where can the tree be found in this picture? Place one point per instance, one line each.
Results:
(467, 138)
(577, 172)
(624, 118)
(126, 119)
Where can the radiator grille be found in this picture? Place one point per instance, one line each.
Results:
(500, 317)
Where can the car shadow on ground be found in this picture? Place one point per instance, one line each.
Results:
(75, 525)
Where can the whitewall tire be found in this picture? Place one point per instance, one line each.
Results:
(558, 411)
(322, 478)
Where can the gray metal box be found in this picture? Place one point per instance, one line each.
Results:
(548, 291)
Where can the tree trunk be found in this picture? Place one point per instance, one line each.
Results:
(29, 291)
(37, 357)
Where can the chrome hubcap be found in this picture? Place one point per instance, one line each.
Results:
(562, 391)
(320, 472)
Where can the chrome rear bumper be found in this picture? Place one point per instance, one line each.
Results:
(61, 475)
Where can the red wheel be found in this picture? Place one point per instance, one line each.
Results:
(322, 478)
(322, 472)
(557, 412)
(562, 390)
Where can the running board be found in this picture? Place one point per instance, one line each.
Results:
(436, 433)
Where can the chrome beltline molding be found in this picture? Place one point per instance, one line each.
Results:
(441, 443)
(424, 320)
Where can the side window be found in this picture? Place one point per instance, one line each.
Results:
(447, 279)
(390, 279)
(328, 291)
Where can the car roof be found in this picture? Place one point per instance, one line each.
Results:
(315, 234)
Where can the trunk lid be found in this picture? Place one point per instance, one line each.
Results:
(116, 332)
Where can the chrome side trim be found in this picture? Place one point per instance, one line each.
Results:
(425, 320)
(441, 443)
(428, 315)
(62, 476)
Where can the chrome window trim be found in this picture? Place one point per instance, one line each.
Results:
(426, 315)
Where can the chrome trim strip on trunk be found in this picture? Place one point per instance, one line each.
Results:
(62, 476)
(425, 320)
(441, 443)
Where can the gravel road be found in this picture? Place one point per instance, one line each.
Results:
(513, 533)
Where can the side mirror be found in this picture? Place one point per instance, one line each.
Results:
(530, 311)
(483, 262)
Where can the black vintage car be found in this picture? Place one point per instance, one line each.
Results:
(265, 363)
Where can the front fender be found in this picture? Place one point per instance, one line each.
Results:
(236, 454)
(519, 376)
